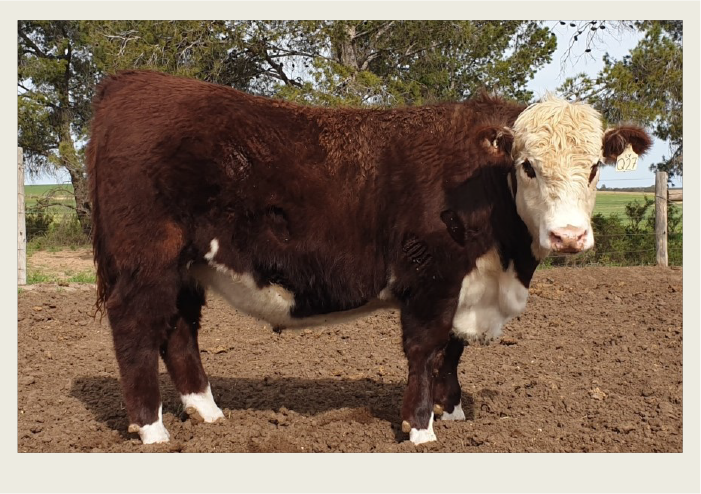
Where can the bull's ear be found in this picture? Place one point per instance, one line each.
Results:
(496, 141)
(616, 140)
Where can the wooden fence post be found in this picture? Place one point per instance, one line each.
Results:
(21, 225)
(661, 217)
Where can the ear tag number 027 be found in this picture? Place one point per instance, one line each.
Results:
(627, 161)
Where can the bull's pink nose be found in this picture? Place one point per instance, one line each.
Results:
(568, 239)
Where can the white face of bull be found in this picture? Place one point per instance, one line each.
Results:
(557, 150)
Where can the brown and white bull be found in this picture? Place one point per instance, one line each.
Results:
(301, 215)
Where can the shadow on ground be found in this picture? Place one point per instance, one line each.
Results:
(102, 396)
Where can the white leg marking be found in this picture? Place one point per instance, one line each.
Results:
(456, 414)
(204, 404)
(420, 436)
(152, 433)
(213, 249)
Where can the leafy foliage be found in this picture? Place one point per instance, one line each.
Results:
(337, 62)
(56, 78)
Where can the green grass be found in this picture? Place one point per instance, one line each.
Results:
(615, 202)
(34, 277)
(86, 277)
(38, 276)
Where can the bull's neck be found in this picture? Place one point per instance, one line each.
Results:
(486, 205)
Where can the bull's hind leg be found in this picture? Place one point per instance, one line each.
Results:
(423, 344)
(181, 355)
(140, 313)
(446, 388)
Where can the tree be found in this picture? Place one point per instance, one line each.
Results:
(338, 62)
(330, 63)
(402, 62)
(55, 81)
(645, 87)
(195, 49)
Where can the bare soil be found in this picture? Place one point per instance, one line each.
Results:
(62, 264)
(594, 364)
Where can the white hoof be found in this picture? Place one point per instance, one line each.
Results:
(152, 433)
(204, 404)
(456, 414)
(420, 436)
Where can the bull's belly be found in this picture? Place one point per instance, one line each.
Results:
(489, 298)
(273, 303)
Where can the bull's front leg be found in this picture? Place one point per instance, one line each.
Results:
(446, 387)
(424, 343)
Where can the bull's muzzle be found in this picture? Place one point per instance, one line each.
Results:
(568, 240)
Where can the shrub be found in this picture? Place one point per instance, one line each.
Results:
(54, 232)
(628, 240)
(37, 224)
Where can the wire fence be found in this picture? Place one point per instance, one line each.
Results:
(622, 249)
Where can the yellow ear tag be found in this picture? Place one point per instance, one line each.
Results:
(627, 161)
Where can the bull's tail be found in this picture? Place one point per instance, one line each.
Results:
(104, 264)
(99, 255)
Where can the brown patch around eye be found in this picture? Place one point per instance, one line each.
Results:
(594, 169)
(528, 169)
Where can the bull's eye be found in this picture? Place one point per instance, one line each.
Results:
(528, 169)
(594, 169)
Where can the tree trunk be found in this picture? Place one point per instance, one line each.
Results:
(347, 48)
(82, 201)
(70, 160)
(68, 156)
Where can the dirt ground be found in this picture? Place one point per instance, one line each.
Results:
(62, 264)
(594, 364)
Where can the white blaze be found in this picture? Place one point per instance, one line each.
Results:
(561, 141)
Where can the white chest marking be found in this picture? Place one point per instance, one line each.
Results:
(489, 297)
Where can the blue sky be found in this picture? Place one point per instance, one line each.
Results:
(548, 79)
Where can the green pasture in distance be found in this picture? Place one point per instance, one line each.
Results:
(615, 202)
(62, 194)
(39, 190)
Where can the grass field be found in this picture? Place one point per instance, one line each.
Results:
(615, 202)
(62, 194)
(38, 190)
